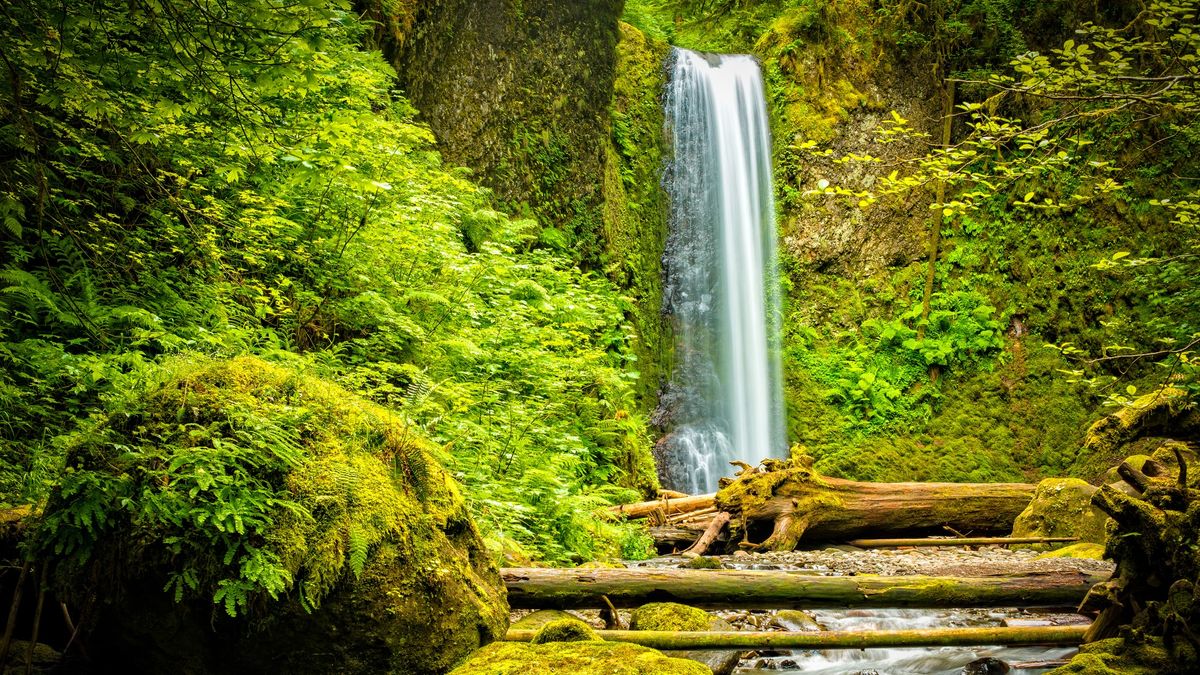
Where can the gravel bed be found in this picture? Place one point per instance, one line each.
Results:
(839, 561)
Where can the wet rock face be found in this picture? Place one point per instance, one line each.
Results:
(519, 92)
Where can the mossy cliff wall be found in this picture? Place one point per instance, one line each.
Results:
(635, 205)
(518, 91)
(554, 106)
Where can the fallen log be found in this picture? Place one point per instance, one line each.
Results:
(678, 536)
(715, 526)
(667, 506)
(959, 541)
(551, 588)
(691, 515)
(763, 640)
(795, 501)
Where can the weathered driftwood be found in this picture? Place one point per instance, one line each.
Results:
(797, 502)
(666, 506)
(678, 536)
(959, 541)
(552, 588)
(715, 526)
(762, 640)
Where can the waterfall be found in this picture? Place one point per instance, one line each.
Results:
(724, 401)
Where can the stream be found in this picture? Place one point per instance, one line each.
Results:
(907, 661)
(837, 561)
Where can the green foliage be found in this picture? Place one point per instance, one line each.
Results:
(1064, 156)
(236, 480)
(876, 374)
(224, 178)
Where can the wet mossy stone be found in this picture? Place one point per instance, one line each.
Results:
(669, 616)
(535, 620)
(576, 658)
(796, 620)
(1083, 550)
(564, 630)
(383, 569)
(704, 562)
(672, 616)
(1062, 507)
(1115, 657)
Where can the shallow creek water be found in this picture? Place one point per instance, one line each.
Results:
(908, 661)
(911, 661)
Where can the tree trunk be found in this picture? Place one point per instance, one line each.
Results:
(764, 640)
(798, 502)
(715, 526)
(549, 588)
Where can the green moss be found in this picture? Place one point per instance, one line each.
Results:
(536, 620)
(578, 658)
(669, 616)
(1115, 657)
(1062, 507)
(1084, 550)
(271, 492)
(1157, 413)
(635, 208)
(565, 630)
(704, 563)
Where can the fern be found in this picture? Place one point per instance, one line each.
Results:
(359, 543)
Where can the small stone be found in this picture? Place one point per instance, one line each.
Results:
(986, 666)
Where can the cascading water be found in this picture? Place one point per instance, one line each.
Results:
(725, 400)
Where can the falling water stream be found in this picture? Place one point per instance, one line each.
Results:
(725, 400)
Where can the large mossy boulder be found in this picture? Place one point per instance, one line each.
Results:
(671, 616)
(242, 517)
(1062, 507)
(559, 649)
(1115, 656)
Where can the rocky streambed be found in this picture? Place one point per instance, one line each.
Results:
(850, 561)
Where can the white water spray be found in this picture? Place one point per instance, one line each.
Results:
(725, 399)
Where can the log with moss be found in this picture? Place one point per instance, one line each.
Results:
(551, 588)
(959, 541)
(865, 639)
(793, 501)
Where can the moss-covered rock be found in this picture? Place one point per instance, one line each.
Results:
(577, 658)
(535, 620)
(1116, 657)
(44, 659)
(669, 616)
(704, 562)
(1168, 413)
(672, 616)
(1084, 550)
(1062, 507)
(318, 523)
(564, 630)
(796, 620)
